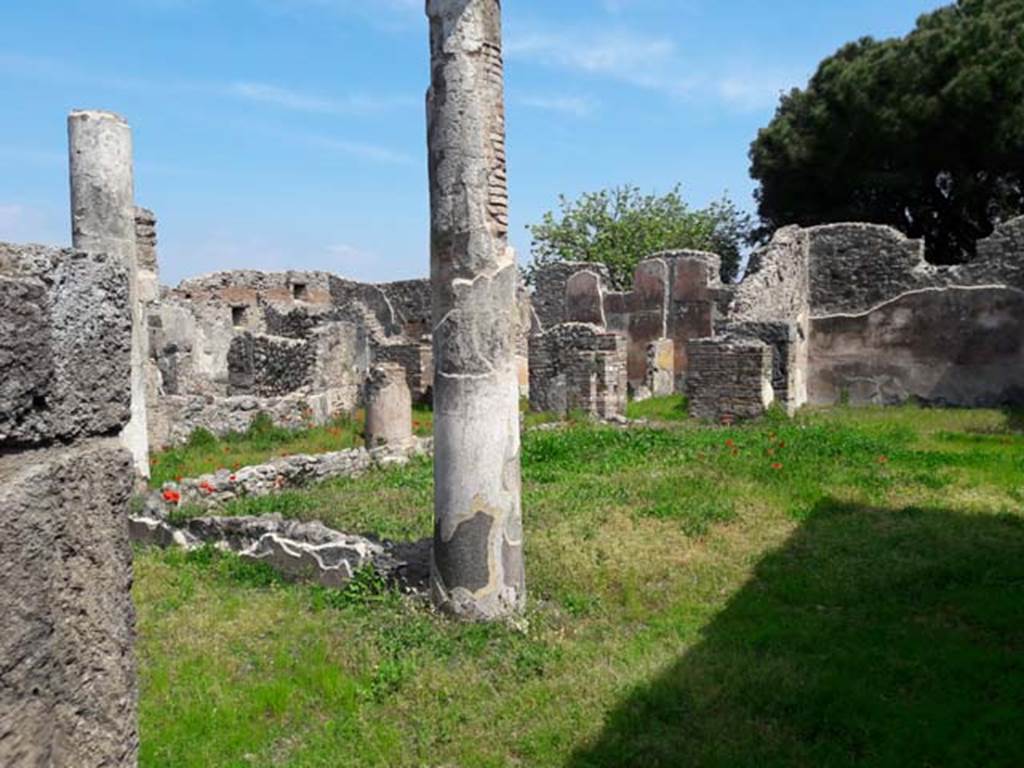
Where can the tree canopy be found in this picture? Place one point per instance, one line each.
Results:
(620, 227)
(924, 133)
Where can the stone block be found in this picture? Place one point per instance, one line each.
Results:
(65, 342)
(67, 688)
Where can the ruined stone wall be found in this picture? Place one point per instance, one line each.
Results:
(853, 312)
(550, 301)
(67, 687)
(578, 367)
(887, 327)
(730, 379)
(676, 295)
(231, 345)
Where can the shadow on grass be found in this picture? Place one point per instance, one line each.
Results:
(872, 637)
(1015, 419)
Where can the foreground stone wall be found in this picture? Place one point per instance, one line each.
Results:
(67, 686)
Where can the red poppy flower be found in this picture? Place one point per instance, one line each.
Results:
(777, 466)
(883, 459)
(172, 497)
(729, 443)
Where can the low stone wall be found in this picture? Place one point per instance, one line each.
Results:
(214, 490)
(307, 552)
(729, 379)
(180, 416)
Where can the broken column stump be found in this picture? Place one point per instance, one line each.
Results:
(388, 407)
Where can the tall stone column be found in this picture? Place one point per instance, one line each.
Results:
(477, 566)
(103, 221)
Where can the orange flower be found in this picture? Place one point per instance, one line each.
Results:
(730, 443)
(172, 497)
(777, 466)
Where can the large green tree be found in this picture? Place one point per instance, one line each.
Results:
(925, 133)
(620, 227)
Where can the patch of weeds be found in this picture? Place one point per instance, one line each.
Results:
(670, 408)
(293, 504)
(181, 514)
(365, 588)
(137, 505)
(695, 503)
(389, 676)
(533, 658)
(578, 604)
(227, 566)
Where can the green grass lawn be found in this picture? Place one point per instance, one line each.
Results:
(843, 589)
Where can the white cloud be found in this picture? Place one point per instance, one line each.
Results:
(577, 106)
(11, 216)
(619, 55)
(650, 62)
(362, 150)
(286, 98)
(754, 91)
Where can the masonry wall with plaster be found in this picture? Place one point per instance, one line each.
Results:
(854, 313)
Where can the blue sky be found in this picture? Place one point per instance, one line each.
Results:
(277, 134)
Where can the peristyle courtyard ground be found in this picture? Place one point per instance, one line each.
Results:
(844, 588)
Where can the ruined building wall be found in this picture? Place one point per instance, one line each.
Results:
(887, 327)
(854, 313)
(579, 367)
(230, 345)
(67, 691)
(676, 295)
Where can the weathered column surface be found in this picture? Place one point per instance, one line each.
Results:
(477, 567)
(388, 407)
(103, 221)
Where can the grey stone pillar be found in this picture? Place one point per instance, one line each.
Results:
(477, 566)
(103, 221)
(388, 407)
(67, 685)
